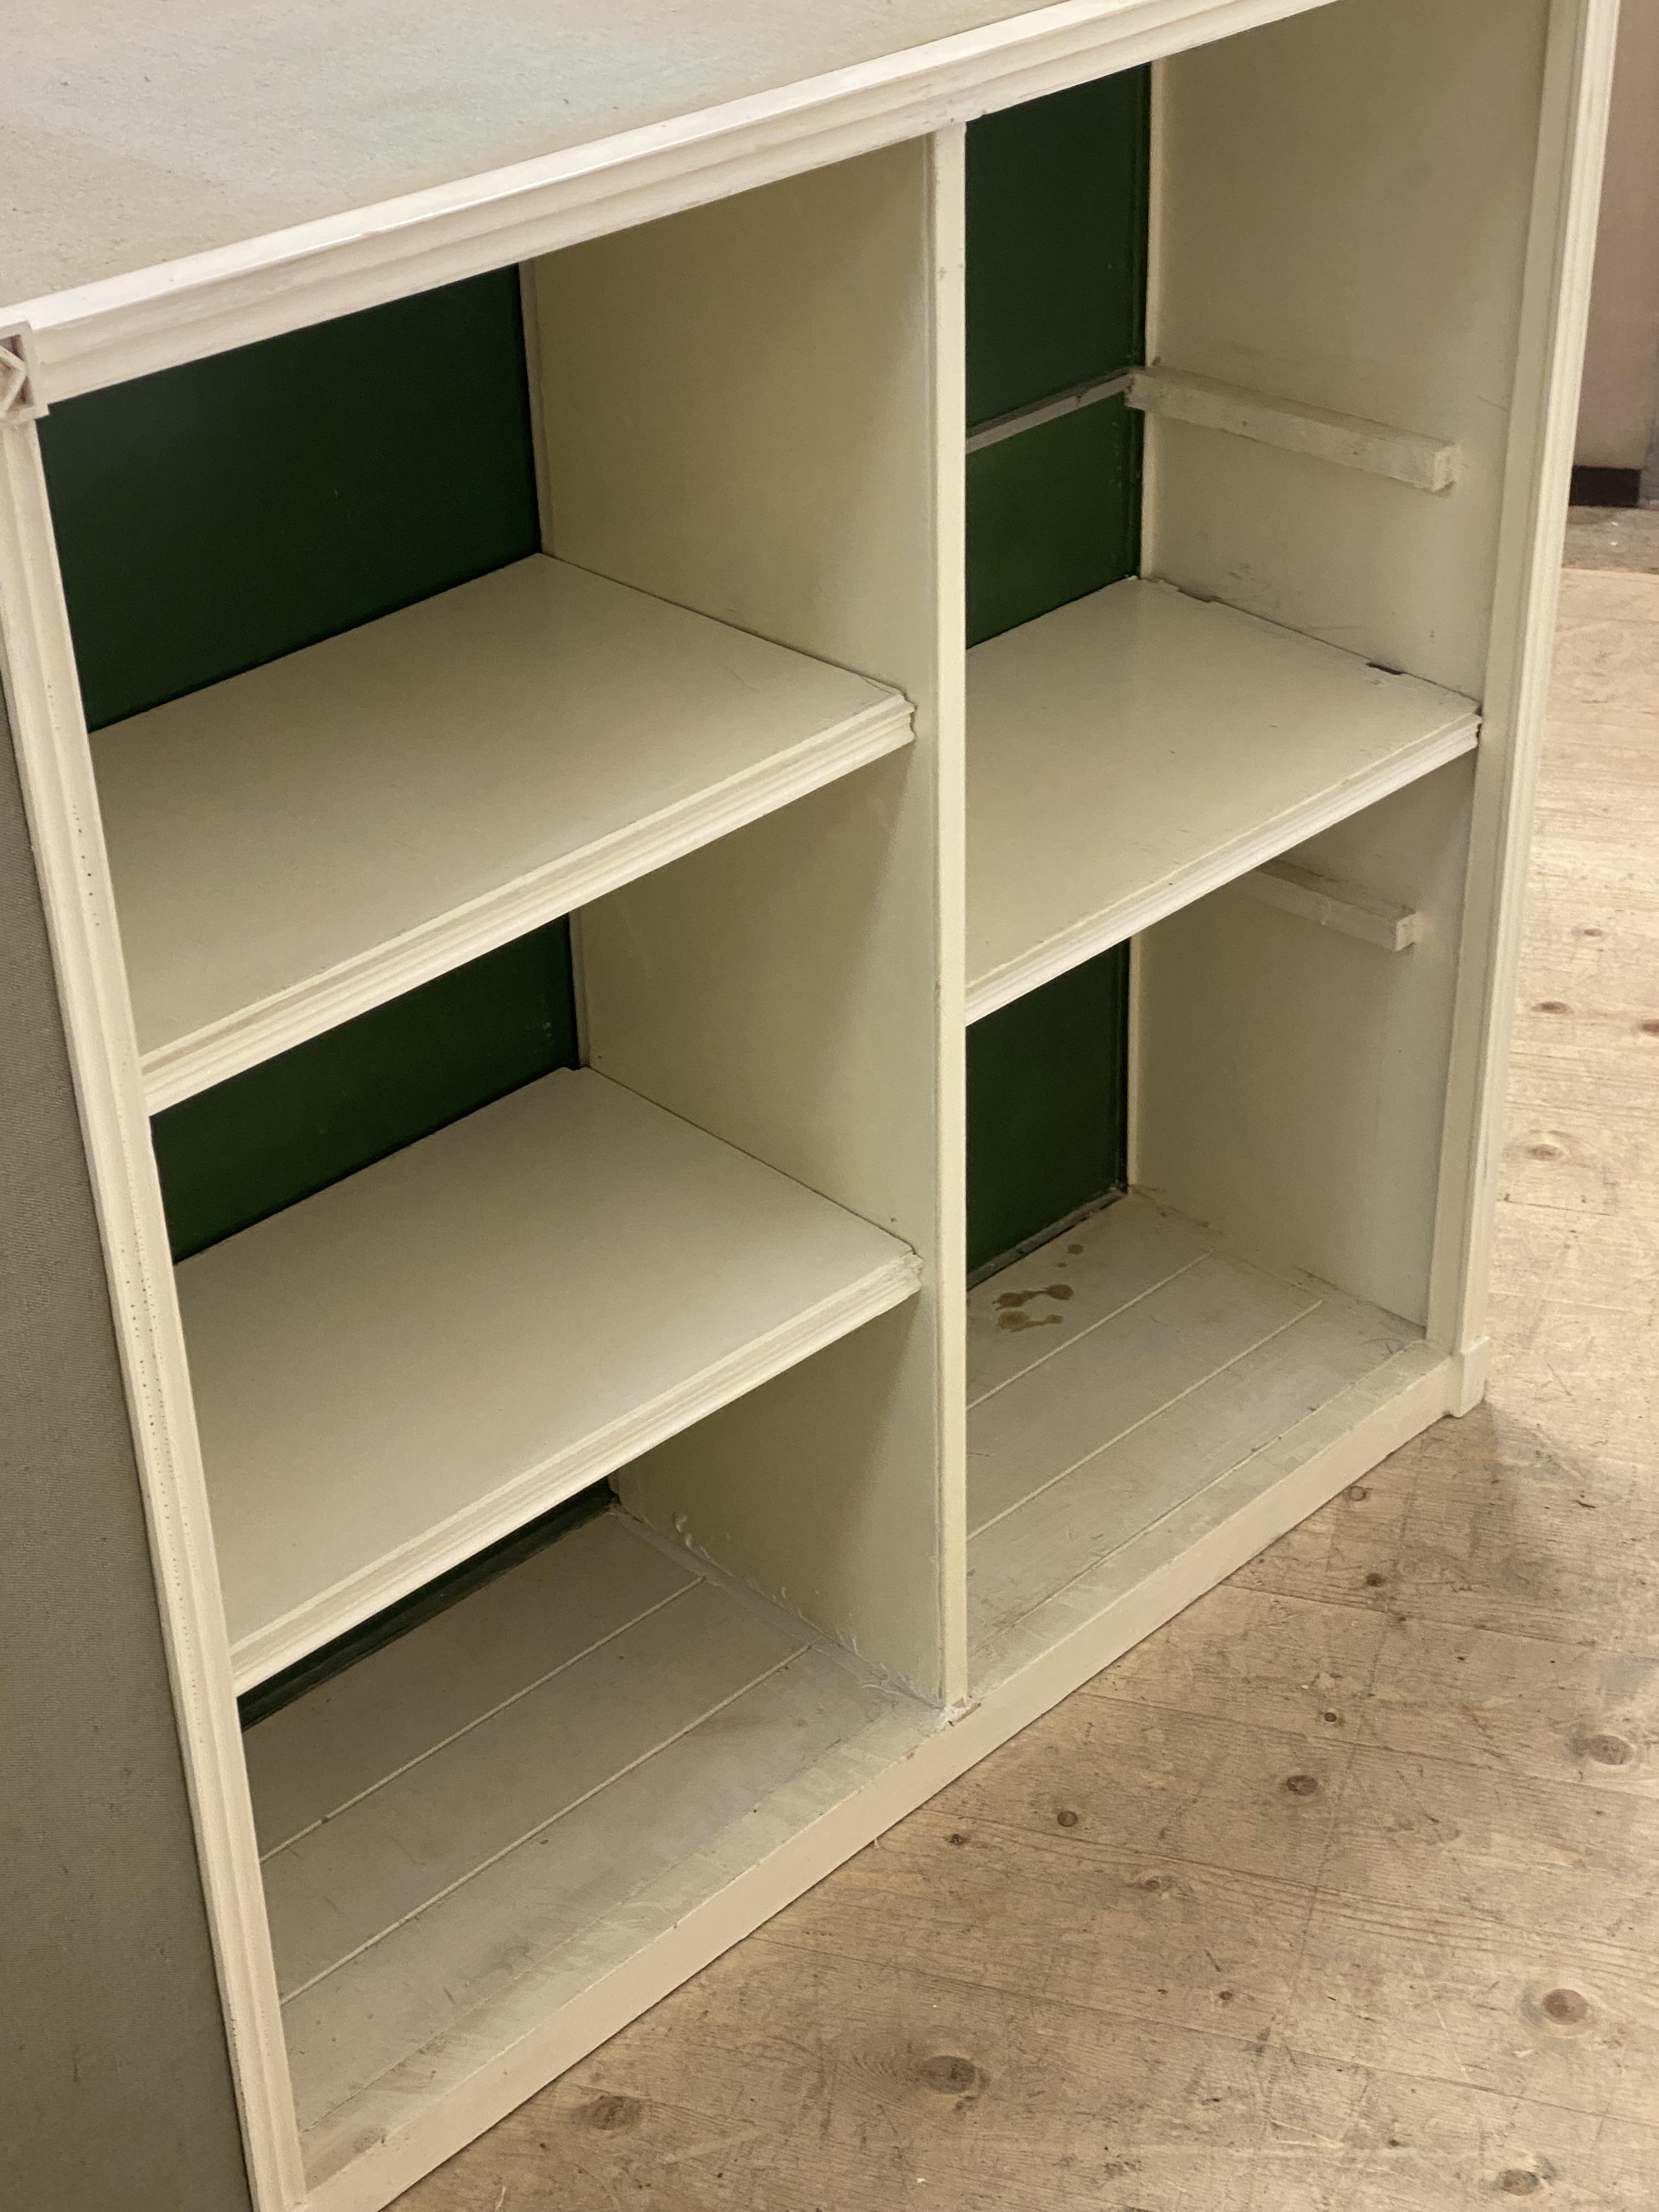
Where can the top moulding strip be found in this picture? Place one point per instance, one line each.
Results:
(192, 180)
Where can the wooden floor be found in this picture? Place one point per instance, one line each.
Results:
(1341, 1893)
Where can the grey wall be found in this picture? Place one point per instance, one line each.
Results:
(115, 2085)
(1616, 418)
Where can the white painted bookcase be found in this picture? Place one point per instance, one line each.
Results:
(867, 1525)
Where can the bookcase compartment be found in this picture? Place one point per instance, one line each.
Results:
(1158, 1370)
(1258, 762)
(718, 1263)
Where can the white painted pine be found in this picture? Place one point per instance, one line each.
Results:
(455, 2014)
(1350, 908)
(501, 1848)
(1069, 1285)
(757, 408)
(390, 1709)
(418, 1360)
(315, 836)
(1131, 751)
(1104, 1384)
(504, 1781)
(54, 771)
(127, 259)
(1346, 441)
(1176, 1362)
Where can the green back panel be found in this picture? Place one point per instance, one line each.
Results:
(214, 517)
(274, 1135)
(1056, 243)
(1052, 514)
(217, 516)
(1047, 1080)
(1056, 297)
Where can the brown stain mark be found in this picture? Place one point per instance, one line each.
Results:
(1073, 1248)
(1515, 2181)
(957, 1838)
(1066, 1817)
(1375, 1581)
(1551, 1007)
(1650, 1028)
(1016, 1320)
(1566, 2008)
(950, 2073)
(612, 2112)
(1608, 1750)
(1302, 1785)
(1543, 1151)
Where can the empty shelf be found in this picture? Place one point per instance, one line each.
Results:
(478, 1825)
(417, 1361)
(1132, 1385)
(313, 837)
(1138, 749)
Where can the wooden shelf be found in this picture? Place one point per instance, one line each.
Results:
(312, 838)
(418, 1360)
(1138, 749)
(482, 1826)
(1134, 1385)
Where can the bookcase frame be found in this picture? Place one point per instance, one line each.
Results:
(833, 1498)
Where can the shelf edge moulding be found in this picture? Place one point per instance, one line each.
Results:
(299, 843)
(417, 1361)
(1136, 750)
(1348, 440)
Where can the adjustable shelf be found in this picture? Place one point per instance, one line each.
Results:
(418, 1360)
(307, 840)
(1131, 751)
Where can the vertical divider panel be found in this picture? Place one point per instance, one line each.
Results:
(755, 409)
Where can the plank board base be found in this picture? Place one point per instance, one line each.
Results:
(430, 1991)
(1135, 1381)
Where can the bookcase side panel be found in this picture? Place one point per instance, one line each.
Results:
(54, 769)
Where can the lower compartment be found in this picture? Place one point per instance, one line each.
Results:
(490, 1845)
(1132, 1383)
(481, 1843)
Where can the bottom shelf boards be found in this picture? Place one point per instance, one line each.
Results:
(489, 1846)
(1117, 1377)
(475, 1827)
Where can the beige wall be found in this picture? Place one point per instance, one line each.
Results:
(1616, 420)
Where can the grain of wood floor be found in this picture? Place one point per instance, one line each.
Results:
(1341, 1894)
